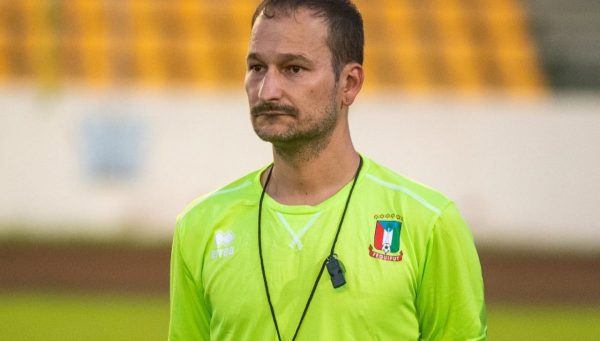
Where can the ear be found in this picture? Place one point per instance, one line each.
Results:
(351, 81)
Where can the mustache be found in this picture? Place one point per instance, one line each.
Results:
(264, 107)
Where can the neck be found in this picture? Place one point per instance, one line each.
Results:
(309, 175)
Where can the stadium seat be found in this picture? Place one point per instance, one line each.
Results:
(462, 47)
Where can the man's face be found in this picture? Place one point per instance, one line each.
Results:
(290, 83)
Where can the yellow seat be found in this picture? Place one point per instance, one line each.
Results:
(412, 46)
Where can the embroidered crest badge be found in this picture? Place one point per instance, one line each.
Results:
(386, 243)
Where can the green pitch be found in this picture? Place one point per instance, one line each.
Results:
(543, 322)
(49, 317)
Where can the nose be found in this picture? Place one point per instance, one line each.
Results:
(270, 87)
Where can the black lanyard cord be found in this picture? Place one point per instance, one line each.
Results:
(331, 253)
(262, 263)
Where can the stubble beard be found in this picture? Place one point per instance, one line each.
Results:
(302, 144)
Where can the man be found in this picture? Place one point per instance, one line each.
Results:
(324, 244)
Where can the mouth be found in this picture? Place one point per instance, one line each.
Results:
(273, 113)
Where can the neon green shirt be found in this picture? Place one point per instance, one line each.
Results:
(412, 270)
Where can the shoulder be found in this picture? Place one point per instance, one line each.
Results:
(241, 192)
(412, 193)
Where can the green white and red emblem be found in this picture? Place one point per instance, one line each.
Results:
(386, 244)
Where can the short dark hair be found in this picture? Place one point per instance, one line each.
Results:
(345, 39)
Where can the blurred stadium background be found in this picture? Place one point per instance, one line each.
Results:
(117, 113)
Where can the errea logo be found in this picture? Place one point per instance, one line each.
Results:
(223, 240)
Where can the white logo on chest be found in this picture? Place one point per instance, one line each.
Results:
(296, 237)
(223, 239)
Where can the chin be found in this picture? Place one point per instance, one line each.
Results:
(273, 133)
(273, 137)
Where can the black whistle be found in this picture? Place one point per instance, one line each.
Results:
(336, 271)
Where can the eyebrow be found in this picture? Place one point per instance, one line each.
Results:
(282, 58)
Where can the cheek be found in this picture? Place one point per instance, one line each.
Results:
(251, 88)
(320, 98)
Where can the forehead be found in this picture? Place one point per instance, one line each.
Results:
(296, 32)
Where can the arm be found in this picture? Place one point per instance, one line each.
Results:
(189, 316)
(450, 300)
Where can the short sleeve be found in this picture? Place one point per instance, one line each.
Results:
(450, 298)
(189, 316)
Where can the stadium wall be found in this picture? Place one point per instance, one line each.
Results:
(525, 173)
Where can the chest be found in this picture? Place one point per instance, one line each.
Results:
(374, 248)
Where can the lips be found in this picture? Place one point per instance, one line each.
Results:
(273, 113)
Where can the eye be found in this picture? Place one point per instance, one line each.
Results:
(255, 67)
(295, 69)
